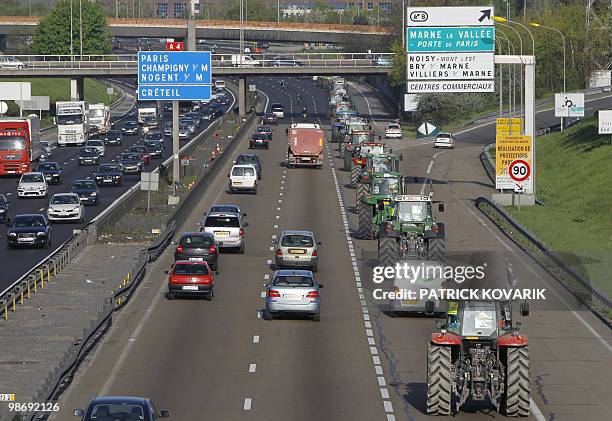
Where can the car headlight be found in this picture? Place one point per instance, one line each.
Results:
(93, 193)
(12, 234)
(76, 209)
(40, 234)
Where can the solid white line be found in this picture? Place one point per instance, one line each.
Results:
(247, 404)
(429, 167)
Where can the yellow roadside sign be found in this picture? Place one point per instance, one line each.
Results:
(509, 148)
(508, 126)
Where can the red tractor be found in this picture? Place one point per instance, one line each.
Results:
(479, 354)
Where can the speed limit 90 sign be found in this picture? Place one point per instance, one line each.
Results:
(519, 170)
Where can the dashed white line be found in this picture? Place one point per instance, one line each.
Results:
(247, 404)
(252, 368)
(256, 339)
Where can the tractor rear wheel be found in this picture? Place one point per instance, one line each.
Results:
(355, 170)
(360, 192)
(388, 251)
(347, 162)
(366, 213)
(516, 399)
(436, 250)
(439, 366)
(341, 150)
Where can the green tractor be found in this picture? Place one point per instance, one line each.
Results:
(406, 229)
(350, 142)
(372, 158)
(381, 187)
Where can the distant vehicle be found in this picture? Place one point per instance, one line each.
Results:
(131, 163)
(305, 147)
(240, 60)
(29, 230)
(52, 171)
(168, 129)
(20, 145)
(155, 148)
(198, 246)
(65, 207)
(184, 131)
(32, 184)
(113, 138)
(109, 175)
(155, 136)
(270, 118)
(87, 190)
(129, 128)
(250, 159)
(195, 116)
(11, 63)
(167, 107)
(227, 228)
(146, 109)
(444, 140)
(243, 178)
(297, 249)
(72, 123)
(149, 123)
(264, 129)
(97, 144)
(88, 156)
(219, 83)
(393, 130)
(114, 408)
(45, 150)
(190, 278)
(99, 117)
(210, 113)
(259, 140)
(285, 62)
(5, 206)
(383, 61)
(293, 291)
(191, 124)
(144, 153)
(278, 110)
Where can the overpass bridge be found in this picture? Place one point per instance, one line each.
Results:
(216, 29)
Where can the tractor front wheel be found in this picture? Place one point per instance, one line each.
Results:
(436, 250)
(439, 366)
(366, 213)
(355, 170)
(516, 399)
(388, 251)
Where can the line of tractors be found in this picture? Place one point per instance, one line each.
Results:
(477, 352)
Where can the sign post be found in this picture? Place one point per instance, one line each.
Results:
(149, 181)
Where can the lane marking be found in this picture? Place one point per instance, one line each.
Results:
(247, 404)
(256, 339)
(252, 368)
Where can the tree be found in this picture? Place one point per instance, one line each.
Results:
(53, 33)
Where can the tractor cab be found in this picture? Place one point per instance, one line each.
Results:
(386, 184)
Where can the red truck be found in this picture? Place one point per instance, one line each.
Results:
(19, 144)
(305, 145)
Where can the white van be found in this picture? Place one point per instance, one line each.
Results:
(430, 276)
(243, 177)
(219, 83)
(240, 60)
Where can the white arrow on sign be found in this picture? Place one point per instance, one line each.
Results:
(519, 188)
(450, 16)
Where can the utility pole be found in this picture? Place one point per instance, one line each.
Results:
(81, 27)
(71, 36)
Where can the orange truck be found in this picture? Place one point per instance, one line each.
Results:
(305, 145)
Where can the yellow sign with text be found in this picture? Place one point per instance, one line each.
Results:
(508, 126)
(509, 148)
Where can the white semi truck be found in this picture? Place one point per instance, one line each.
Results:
(72, 122)
(99, 117)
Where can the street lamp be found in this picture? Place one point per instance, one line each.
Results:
(81, 27)
(511, 79)
(499, 19)
(71, 36)
(520, 38)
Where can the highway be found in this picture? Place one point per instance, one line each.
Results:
(22, 260)
(220, 360)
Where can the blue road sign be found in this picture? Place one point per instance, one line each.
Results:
(174, 92)
(450, 39)
(174, 68)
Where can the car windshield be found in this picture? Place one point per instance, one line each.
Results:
(197, 241)
(361, 137)
(154, 136)
(413, 211)
(110, 412)
(113, 134)
(222, 221)
(293, 281)
(277, 107)
(130, 125)
(479, 319)
(385, 186)
(108, 168)
(190, 269)
(47, 166)
(444, 135)
(12, 143)
(297, 240)
(84, 185)
(32, 178)
(94, 143)
(394, 127)
(129, 157)
(264, 129)
(89, 151)
(23, 221)
(243, 171)
(64, 199)
(153, 144)
(259, 136)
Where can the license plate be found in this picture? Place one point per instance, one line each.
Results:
(25, 240)
(297, 251)
(236, 183)
(222, 233)
(108, 181)
(197, 259)
(292, 297)
(190, 287)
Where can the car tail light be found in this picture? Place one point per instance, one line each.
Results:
(242, 232)
(315, 254)
(436, 229)
(313, 294)
(279, 252)
(212, 249)
(179, 249)
(273, 294)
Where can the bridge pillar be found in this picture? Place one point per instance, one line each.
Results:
(191, 35)
(77, 89)
(242, 96)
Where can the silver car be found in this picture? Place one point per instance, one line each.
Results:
(227, 228)
(293, 291)
(297, 249)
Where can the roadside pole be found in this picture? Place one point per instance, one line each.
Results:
(175, 143)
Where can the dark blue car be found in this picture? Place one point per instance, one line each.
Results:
(125, 408)
(109, 175)
(88, 192)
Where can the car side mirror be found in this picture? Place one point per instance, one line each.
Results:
(440, 324)
(167, 272)
(441, 207)
(524, 309)
(216, 272)
(266, 285)
(244, 214)
(78, 412)
(287, 131)
(429, 307)
(164, 414)
(320, 286)
(319, 243)
(228, 176)
(246, 224)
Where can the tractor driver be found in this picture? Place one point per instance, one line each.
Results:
(452, 320)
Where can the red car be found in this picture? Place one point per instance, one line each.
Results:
(192, 278)
(145, 155)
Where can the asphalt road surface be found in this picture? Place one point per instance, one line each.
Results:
(220, 360)
(22, 260)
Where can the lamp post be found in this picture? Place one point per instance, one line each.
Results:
(71, 36)
(511, 80)
(521, 113)
(241, 28)
(81, 28)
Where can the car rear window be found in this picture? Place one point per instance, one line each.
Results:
(242, 171)
(293, 281)
(197, 241)
(222, 221)
(246, 159)
(190, 269)
(112, 412)
(297, 241)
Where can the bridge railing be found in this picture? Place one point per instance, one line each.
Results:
(130, 61)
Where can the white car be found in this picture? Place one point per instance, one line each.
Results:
(278, 110)
(65, 207)
(11, 63)
(97, 144)
(32, 184)
(444, 140)
(243, 177)
(219, 83)
(393, 130)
